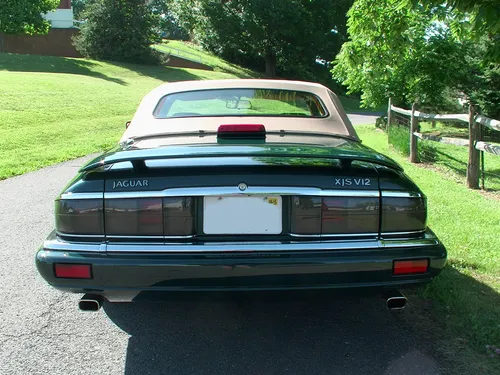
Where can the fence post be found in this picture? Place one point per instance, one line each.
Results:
(413, 138)
(473, 164)
(389, 117)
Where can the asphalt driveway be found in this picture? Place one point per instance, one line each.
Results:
(43, 332)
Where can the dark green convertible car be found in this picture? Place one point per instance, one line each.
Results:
(239, 185)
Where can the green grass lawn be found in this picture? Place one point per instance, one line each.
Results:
(466, 296)
(194, 52)
(451, 160)
(55, 109)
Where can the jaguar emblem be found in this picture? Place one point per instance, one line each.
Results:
(130, 183)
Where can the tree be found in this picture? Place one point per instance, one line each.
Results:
(118, 30)
(167, 25)
(25, 16)
(407, 53)
(282, 34)
(78, 8)
(483, 16)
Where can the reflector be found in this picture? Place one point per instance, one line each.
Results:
(73, 271)
(408, 267)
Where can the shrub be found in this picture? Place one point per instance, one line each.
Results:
(118, 30)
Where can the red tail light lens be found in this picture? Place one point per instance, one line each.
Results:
(335, 215)
(79, 216)
(409, 267)
(73, 271)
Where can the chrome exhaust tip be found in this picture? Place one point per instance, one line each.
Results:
(395, 300)
(90, 302)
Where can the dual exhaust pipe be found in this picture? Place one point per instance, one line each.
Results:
(394, 300)
(91, 302)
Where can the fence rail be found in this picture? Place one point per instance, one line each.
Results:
(475, 144)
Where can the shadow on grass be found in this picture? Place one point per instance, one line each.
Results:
(269, 333)
(55, 64)
(462, 315)
(52, 64)
(162, 73)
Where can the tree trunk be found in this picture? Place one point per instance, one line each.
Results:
(270, 59)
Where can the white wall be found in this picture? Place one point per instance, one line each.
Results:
(60, 18)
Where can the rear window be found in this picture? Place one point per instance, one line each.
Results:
(240, 102)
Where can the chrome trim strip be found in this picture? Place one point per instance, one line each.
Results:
(112, 236)
(229, 190)
(402, 233)
(81, 196)
(55, 243)
(62, 234)
(221, 247)
(400, 194)
(233, 190)
(375, 234)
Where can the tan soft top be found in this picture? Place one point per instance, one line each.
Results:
(144, 122)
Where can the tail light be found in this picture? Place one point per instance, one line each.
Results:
(150, 217)
(126, 217)
(335, 215)
(79, 216)
(178, 216)
(134, 217)
(403, 214)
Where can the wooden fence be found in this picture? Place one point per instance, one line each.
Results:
(474, 143)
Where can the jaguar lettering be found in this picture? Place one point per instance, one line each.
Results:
(130, 183)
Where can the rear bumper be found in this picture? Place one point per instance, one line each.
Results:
(122, 271)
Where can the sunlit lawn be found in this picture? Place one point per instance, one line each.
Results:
(467, 293)
(54, 108)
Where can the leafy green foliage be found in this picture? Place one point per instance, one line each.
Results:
(483, 85)
(167, 25)
(416, 53)
(483, 19)
(118, 30)
(283, 35)
(399, 52)
(25, 16)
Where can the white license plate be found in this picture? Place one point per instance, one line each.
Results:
(242, 215)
